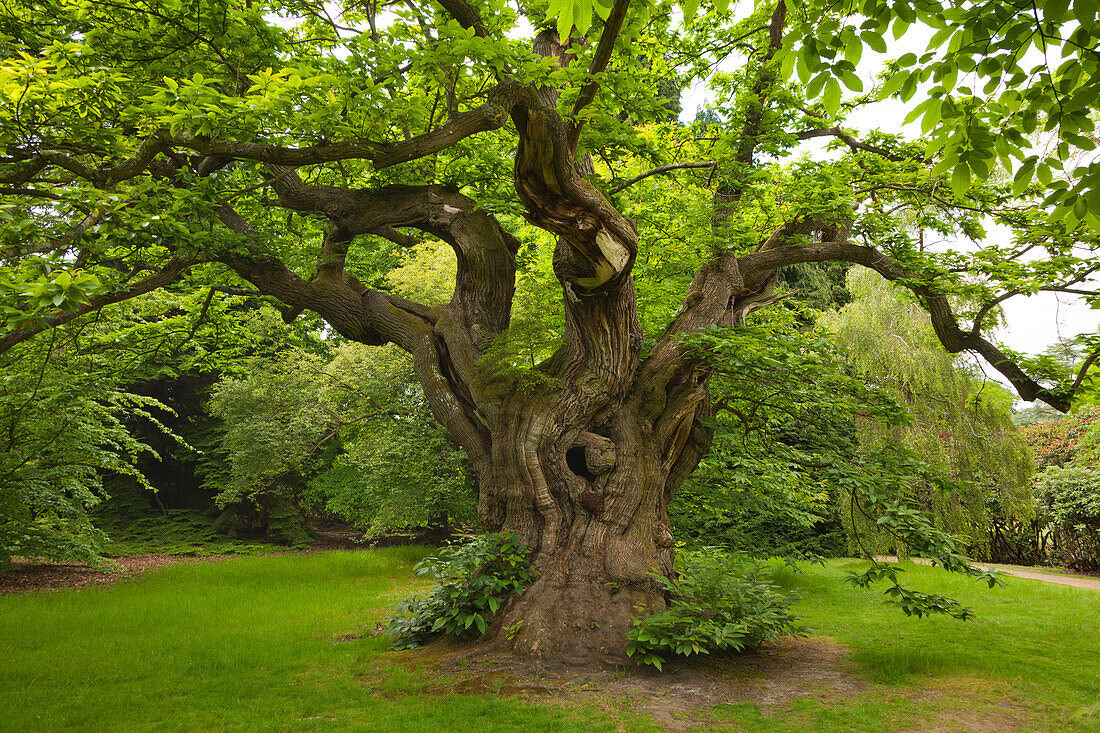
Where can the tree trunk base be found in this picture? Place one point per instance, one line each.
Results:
(575, 621)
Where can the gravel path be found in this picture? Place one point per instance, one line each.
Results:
(1077, 581)
(1060, 577)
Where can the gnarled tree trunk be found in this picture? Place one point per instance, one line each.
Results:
(586, 492)
(583, 468)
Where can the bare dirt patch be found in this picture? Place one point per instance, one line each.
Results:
(684, 697)
(678, 698)
(815, 668)
(28, 576)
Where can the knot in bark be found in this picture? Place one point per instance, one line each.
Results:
(591, 501)
(662, 536)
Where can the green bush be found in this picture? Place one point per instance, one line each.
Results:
(1069, 499)
(64, 420)
(474, 580)
(716, 603)
(350, 436)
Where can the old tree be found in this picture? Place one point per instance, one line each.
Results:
(301, 147)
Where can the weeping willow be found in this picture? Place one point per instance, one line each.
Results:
(960, 424)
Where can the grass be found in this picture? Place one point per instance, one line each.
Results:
(1030, 659)
(284, 643)
(256, 643)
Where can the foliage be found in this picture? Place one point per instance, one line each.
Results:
(769, 374)
(349, 435)
(878, 492)
(749, 493)
(134, 528)
(747, 499)
(1070, 499)
(1067, 361)
(786, 412)
(1035, 413)
(272, 420)
(64, 425)
(758, 491)
(1066, 452)
(993, 76)
(1066, 442)
(114, 402)
(475, 579)
(959, 422)
(715, 603)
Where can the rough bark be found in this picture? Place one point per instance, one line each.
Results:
(584, 490)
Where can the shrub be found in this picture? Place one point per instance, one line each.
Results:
(1069, 441)
(715, 604)
(474, 580)
(65, 419)
(1069, 498)
(351, 436)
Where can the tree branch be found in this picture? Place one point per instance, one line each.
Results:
(490, 116)
(854, 144)
(485, 252)
(23, 172)
(1083, 371)
(104, 178)
(944, 322)
(660, 170)
(167, 274)
(399, 238)
(466, 15)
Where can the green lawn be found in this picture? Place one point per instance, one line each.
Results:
(274, 643)
(1029, 661)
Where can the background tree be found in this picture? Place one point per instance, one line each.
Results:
(63, 426)
(961, 424)
(348, 436)
(148, 140)
(113, 405)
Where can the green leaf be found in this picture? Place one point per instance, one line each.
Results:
(960, 179)
(853, 50)
(582, 15)
(874, 40)
(851, 81)
(831, 97)
(893, 84)
(563, 10)
(813, 89)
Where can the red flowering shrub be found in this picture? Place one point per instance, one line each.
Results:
(1072, 441)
